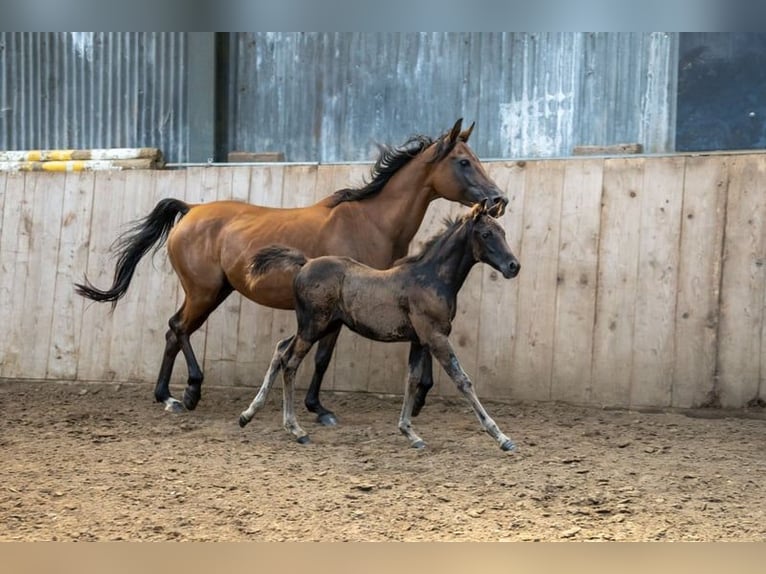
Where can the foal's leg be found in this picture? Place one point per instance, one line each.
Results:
(424, 384)
(291, 360)
(321, 361)
(268, 381)
(415, 366)
(444, 353)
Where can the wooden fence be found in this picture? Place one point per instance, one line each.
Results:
(642, 283)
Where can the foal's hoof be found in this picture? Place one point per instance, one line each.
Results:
(327, 420)
(192, 395)
(508, 446)
(303, 439)
(243, 420)
(174, 406)
(418, 444)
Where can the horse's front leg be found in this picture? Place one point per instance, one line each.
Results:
(415, 366)
(268, 381)
(321, 362)
(445, 354)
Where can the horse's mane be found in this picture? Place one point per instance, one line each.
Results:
(391, 160)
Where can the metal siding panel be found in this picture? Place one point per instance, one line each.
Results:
(86, 90)
(331, 96)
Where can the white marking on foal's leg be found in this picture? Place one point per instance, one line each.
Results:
(268, 381)
(300, 349)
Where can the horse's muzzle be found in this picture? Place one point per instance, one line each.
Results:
(498, 203)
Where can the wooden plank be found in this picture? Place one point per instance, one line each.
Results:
(433, 223)
(742, 285)
(129, 319)
(160, 291)
(617, 278)
(498, 312)
(37, 309)
(215, 184)
(577, 280)
(255, 343)
(14, 256)
(223, 328)
(657, 283)
(298, 189)
(106, 222)
(699, 280)
(72, 259)
(352, 352)
(197, 190)
(533, 351)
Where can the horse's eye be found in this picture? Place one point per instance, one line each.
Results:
(464, 163)
(485, 234)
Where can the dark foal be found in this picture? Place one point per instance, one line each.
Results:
(413, 301)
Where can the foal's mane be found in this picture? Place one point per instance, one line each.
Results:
(391, 160)
(451, 224)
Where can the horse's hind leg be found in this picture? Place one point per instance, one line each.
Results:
(321, 361)
(194, 312)
(268, 381)
(162, 388)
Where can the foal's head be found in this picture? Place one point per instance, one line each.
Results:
(488, 242)
(457, 173)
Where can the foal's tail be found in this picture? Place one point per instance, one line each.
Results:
(132, 245)
(276, 257)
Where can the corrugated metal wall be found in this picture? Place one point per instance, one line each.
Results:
(92, 90)
(331, 96)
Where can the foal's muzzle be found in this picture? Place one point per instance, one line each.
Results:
(511, 269)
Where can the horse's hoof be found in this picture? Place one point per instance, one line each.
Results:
(416, 409)
(418, 444)
(174, 406)
(508, 445)
(303, 439)
(243, 420)
(191, 398)
(327, 420)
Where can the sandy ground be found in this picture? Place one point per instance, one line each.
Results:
(103, 462)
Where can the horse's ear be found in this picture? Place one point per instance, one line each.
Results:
(454, 133)
(465, 134)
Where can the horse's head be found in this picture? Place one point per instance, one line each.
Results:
(457, 174)
(488, 239)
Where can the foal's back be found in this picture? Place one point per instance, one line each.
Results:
(371, 302)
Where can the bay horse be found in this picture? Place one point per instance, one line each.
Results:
(210, 245)
(414, 301)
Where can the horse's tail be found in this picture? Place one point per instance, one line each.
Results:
(132, 245)
(276, 257)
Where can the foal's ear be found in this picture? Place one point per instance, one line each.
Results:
(465, 134)
(454, 133)
(478, 209)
